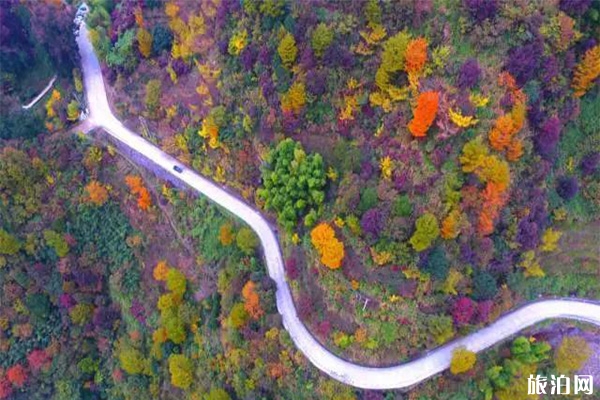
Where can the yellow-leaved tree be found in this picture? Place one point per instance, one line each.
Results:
(144, 39)
(587, 71)
(287, 49)
(329, 247)
(462, 360)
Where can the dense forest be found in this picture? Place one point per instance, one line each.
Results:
(431, 164)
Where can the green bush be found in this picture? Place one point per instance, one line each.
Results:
(484, 286)
(246, 240)
(368, 199)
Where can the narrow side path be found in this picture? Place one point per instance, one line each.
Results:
(395, 377)
(39, 96)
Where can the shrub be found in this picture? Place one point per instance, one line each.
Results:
(372, 222)
(160, 271)
(96, 193)
(176, 282)
(294, 99)
(424, 113)
(246, 240)
(524, 62)
(57, 242)
(567, 187)
(17, 375)
(217, 394)
(9, 245)
(462, 361)
(547, 138)
(402, 207)
(589, 163)
(484, 286)
(572, 353)
(238, 316)
(373, 12)
(252, 300)
(587, 71)
(321, 39)
(416, 56)
(144, 39)
(153, 92)
(523, 350)
(575, 7)
(441, 328)
(5, 388)
(368, 199)
(463, 311)
(469, 74)
(427, 230)
(81, 313)
(132, 361)
(436, 263)
(122, 54)
(394, 52)
(287, 49)
(162, 39)
(329, 247)
(180, 368)
(480, 10)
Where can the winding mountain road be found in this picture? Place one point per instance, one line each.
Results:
(395, 377)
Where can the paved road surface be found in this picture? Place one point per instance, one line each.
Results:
(400, 376)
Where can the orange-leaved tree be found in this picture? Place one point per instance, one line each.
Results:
(416, 55)
(226, 235)
(137, 187)
(514, 151)
(587, 71)
(252, 300)
(506, 127)
(329, 247)
(424, 113)
(160, 271)
(96, 193)
(493, 199)
(451, 225)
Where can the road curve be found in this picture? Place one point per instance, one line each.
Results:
(395, 377)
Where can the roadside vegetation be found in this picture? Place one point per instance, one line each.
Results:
(425, 162)
(431, 166)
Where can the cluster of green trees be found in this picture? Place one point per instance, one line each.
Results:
(293, 184)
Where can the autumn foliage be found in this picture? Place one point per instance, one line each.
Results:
(252, 300)
(96, 193)
(505, 128)
(329, 247)
(587, 71)
(451, 225)
(424, 113)
(137, 188)
(160, 271)
(416, 55)
(38, 359)
(144, 39)
(462, 361)
(5, 388)
(17, 375)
